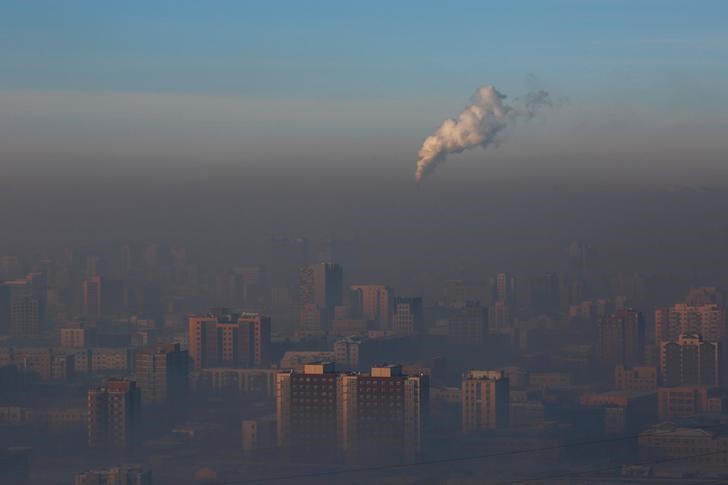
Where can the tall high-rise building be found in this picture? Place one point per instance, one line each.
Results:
(161, 373)
(229, 340)
(376, 304)
(505, 288)
(92, 297)
(382, 414)
(690, 361)
(379, 416)
(504, 300)
(408, 317)
(27, 305)
(485, 397)
(708, 320)
(5, 301)
(621, 338)
(114, 414)
(468, 324)
(321, 285)
(306, 410)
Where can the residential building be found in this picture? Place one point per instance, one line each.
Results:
(229, 340)
(690, 361)
(114, 411)
(485, 400)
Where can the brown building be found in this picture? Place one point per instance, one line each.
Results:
(621, 338)
(408, 316)
(161, 373)
(689, 361)
(637, 378)
(382, 414)
(47, 364)
(320, 285)
(689, 401)
(485, 400)
(376, 304)
(707, 320)
(306, 411)
(229, 340)
(113, 414)
(76, 337)
(379, 416)
(625, 411)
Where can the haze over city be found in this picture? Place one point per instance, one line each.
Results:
(471, 243)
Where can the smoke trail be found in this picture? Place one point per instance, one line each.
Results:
(477, 125)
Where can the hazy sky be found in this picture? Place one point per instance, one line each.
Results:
(359, 84)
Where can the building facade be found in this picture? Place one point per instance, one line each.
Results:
(621, 338)
(114, 412)
(363, 417)
(690, 361)
(485, 400)
(229, 340)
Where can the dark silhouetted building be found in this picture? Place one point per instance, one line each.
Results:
(365, 417)
(690, 361)
(27, 305)
(114, 411)
(485, 400)
(161, 373)
(621, 338)
(92, 298)
(229, 340)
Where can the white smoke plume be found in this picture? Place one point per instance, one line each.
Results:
(478, 125)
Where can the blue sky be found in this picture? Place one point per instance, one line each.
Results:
(359, 67)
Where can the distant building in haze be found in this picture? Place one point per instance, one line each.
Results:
(92, 298)
(621, 338)
(114, 414)
(690, 361)
(544, 293)
(376, 304)
(229, 340)
(123, 475)
(708, 320)
(468, 324)
(162, 374)
(686, 401)
(408, 317)
(321, 285)
(637, 378)
(485, 400)
(27, 299)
